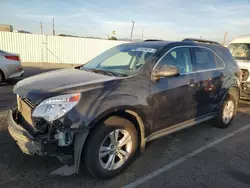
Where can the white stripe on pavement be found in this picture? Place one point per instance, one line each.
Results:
(3, 113)
(182, 159)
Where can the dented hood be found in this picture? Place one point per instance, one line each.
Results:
(39, 87)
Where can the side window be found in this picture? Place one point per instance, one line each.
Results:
(206, 59)
(179, 57)
(219, 63)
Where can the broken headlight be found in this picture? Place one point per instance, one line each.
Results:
(55, 107)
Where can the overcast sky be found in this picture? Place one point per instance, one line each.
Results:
(162, 19)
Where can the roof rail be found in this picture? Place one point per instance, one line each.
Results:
(149, 40)
(200, 40)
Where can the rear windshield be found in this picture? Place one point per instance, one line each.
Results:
(1, 51)
(240, 51)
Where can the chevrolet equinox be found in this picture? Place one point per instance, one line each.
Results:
(101, 113)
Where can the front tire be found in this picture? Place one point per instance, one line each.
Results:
(227, 112)
(110, 148)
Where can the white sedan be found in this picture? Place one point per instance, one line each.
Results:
(10, 66)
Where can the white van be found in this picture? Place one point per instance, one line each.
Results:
(240, 49)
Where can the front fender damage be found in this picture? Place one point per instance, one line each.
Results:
(67, 170)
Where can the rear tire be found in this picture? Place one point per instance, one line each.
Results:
(227, 112)
(106, 154)
(1, 77)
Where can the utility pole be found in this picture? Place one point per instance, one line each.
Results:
(41, 25)
(133, 23)
(142, 33)
(53, 27)
(225, 38)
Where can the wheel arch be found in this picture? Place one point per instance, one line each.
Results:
(233, 91)
(1, 72)
(128, 113)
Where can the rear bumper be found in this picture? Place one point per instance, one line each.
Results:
(24, 140)
(17, 74)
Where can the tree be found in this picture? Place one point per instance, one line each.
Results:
(113, 38)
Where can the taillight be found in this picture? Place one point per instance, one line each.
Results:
(14, 58)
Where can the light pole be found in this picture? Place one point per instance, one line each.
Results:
(224, 39)
(41, 26)
(133, 23)
(142, 33)
(53, 27)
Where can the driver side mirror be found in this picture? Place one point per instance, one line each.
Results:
(165, 71)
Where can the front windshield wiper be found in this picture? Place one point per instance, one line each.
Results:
(102, 71)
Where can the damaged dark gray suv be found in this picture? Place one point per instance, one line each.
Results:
(101, 113)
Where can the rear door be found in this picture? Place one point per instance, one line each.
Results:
(209, 75)
(175, 98)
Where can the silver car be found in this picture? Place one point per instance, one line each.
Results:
(10, 66)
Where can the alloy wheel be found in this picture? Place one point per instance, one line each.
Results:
(228, 111)
(115, 149)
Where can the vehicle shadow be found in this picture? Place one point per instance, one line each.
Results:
(10, 82)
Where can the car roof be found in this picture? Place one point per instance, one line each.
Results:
(161, 43)
(151, 44)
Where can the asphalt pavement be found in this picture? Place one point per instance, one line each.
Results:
(200, 156)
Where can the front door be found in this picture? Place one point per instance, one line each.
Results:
(175, 98)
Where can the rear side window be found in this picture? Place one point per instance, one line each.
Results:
(206, 59)
(219, 63)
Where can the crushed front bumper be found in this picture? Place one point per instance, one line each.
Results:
(31, 146)
(24, 140)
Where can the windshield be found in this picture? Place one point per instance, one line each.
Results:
(124, 59)
(240, 51)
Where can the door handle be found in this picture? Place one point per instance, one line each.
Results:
(192, 83)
